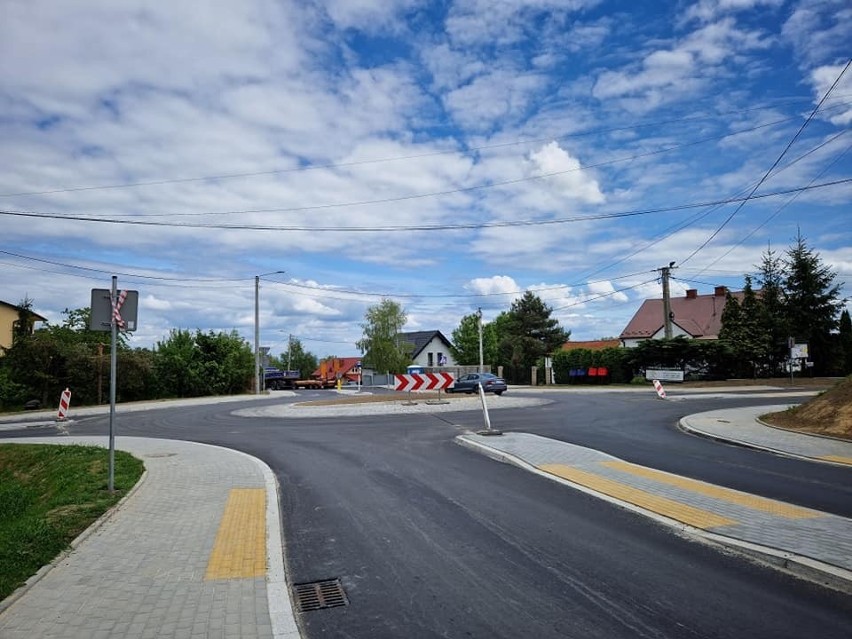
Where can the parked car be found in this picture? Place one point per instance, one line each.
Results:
(468, 383)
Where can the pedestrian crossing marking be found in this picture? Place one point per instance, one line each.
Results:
(661, 505)
(239, 551)
(753, 502)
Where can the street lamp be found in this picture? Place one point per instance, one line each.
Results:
(257, 376)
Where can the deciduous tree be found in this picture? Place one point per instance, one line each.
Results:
(382, 348)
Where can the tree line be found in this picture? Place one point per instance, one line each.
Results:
(40, 364)
(792, 296)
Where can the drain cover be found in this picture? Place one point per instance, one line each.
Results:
(317, 595)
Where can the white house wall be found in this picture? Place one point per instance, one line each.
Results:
(435, 346)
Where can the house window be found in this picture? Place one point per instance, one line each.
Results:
(430, 359)
(441, 359)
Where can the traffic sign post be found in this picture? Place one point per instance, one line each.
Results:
(423, 381)
(113, 310)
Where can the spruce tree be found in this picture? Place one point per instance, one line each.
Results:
(530, 333)
(772, 311)
(812, 303)
(846, 341)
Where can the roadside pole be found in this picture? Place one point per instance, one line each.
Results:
(113, 362)
(107, 307)
(488, 430)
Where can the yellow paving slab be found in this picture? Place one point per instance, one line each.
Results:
(239, 551)
(660, 505)
(839, 459)
(754, 502)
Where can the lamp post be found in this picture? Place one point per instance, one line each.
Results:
(257, 375)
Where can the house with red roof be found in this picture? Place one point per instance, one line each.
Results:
(693, 315)
(592, 345)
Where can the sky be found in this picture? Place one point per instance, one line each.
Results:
(447, 155)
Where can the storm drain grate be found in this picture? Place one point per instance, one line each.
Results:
(320, 594)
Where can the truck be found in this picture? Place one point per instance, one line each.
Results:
(276, 379)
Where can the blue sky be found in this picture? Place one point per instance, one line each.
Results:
(447, 155)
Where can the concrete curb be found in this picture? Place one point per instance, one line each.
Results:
(799, 566)
(684, 426)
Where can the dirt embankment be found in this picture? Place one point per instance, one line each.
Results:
(829, 413)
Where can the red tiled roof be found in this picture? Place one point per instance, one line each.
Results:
(700, 316)
(594, 345)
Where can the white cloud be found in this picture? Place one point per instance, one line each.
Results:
(819, 31)
(707, 10)
(822, 78)
(573, 182)
(496, 284)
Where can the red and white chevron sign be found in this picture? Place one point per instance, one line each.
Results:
(423, 381)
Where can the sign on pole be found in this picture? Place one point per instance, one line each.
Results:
(423, 381)
(113, 310)
(124, 311)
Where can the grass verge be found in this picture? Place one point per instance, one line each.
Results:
(49, 494)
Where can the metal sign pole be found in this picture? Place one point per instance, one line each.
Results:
(113, 359)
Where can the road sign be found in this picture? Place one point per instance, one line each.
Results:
(423, 381)
(126, 309)
(659, 388)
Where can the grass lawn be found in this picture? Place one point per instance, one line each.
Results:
(49, 494)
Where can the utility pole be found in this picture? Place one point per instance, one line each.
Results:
(289, 351)
(479, 317)
(667, 300)
(257, 334)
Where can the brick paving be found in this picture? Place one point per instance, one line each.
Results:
(802, 534)
(142, 572)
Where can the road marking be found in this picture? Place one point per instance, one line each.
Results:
(240, 548)
(754, 502)
(660, 505)
(838, 459)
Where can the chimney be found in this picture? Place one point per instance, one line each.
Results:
(721, 291)
(691, 293)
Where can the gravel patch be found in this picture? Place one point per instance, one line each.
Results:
(397, 407)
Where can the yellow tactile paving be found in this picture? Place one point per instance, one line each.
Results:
(660, 505)
(838, 459)
(240, 547)
(754, 502)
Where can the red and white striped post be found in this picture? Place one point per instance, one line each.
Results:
(64, 403)
(659, 388)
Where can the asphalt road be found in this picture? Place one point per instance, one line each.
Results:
(433, 540)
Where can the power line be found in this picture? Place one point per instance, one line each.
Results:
(113, 272)
(597, 297)
(779, 210)
(340, 165)
(674, 228)
(422, 227)
(542, 289)
(771, 168)
(466, 189)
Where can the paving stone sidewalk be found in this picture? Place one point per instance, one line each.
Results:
(141, 573)
(816, 542)
(741, 426)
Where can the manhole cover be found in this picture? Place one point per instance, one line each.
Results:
(317, 595)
